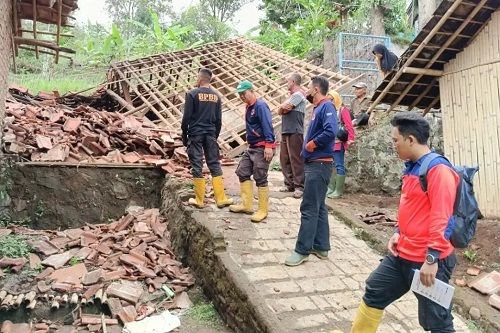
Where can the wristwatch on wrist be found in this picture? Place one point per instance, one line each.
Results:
(431, 260)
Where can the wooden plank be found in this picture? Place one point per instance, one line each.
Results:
(493, 102)
(495, 82)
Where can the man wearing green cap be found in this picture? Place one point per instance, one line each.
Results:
(255, 160)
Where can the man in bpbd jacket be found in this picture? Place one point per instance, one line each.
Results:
(314, 232)
(256, 159)
(201, 125)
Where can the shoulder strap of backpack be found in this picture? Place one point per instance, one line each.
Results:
(424, 168)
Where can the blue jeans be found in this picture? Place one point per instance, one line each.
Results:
(392, 279)
(338, 158)
(314, 230)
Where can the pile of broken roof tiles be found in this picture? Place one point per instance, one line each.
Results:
(118, 264)
(38, 129)
(52, 132)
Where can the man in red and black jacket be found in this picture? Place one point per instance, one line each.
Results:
(314, 232)
(421, 239)
(256, 159)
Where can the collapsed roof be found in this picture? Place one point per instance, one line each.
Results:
(156, 85)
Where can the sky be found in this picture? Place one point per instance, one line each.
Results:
(94, 10)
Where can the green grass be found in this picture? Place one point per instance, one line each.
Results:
(204, 313)
(472, 326)
(71, 81)
(275, 166)
(14, 246)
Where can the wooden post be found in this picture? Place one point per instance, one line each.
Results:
(59, 18)
(34, 27)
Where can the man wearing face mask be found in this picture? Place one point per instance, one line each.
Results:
(201, 125)
(314, 232)
(256, 159)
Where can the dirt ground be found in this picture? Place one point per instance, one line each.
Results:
(483, 252)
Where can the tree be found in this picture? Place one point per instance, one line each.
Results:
(206, 27)
(124, 11)
(223, 10)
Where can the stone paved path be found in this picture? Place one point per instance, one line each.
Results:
(320, 295)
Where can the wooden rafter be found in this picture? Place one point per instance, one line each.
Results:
(454, 25)
(158, 84)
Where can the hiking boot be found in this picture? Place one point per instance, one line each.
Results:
(320, 254)
(287, 189)
(296, 259)
(297, 194)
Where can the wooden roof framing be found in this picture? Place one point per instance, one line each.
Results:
(157, 85)
(415, 80)
(54, 12)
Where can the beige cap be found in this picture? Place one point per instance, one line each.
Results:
(360, 85)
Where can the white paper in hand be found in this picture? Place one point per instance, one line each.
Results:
(440, 292)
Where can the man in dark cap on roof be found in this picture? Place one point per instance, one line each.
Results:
(256, 159)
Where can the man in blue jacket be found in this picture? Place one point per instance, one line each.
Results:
(314, 232)
(255, 160)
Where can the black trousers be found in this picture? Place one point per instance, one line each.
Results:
(204, 145)
(392, 279)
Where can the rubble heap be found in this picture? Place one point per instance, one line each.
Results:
(124, 264)
(39, 129)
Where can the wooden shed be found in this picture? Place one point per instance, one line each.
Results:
(454, 65)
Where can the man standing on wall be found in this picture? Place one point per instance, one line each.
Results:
(292, 136)
(359, 105)
(256, 159)
(314, 232)
(201, 125)
(421, 239)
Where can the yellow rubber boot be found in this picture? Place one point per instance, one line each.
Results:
(263, 195)
(246, 205)
(367, 319)
(199, 193)
(220, 197)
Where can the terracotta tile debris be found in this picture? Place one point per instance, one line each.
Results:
(378, 218)
(58, 260)
(35, 261)
(65, 130)
(117, 263)
(487, 283)
(473, 271)
(495, 301)
(123, 292)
